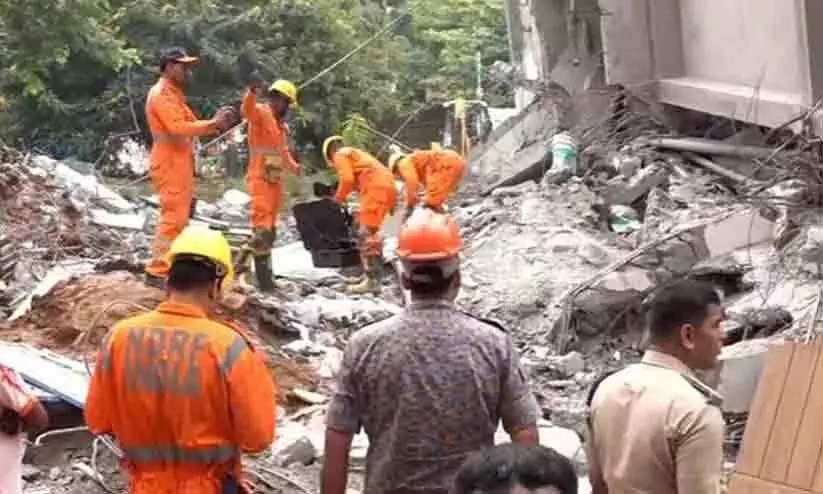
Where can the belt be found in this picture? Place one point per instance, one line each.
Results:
(171, 138)
(266, 151)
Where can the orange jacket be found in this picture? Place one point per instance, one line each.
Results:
(428, 166)
(173, 125)
(184, 396)
(267, 137)
(355, 166)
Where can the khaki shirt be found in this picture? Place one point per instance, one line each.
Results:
(655, 429)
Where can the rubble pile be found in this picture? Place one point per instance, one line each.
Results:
(69, 270)
(566, 257)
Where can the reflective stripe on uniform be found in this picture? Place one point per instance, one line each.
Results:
(233, 353)
(166, 360)
(181, 454)
(171, 138)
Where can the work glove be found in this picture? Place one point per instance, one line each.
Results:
(255, 81)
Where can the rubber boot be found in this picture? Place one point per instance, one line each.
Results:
(262, 272)
(371, 281)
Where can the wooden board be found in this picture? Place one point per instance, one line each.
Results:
(781, 451)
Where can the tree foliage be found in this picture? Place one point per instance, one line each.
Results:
(76, 71)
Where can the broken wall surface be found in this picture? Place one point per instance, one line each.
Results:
(752, 60)
(557, 40)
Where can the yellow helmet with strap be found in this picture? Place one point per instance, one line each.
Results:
(208, 244)
(394, 161)
(285, 88)
(327, 144)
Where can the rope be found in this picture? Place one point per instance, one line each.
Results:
(320, 74)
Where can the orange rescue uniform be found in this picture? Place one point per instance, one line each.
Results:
(439, 171)
(184, 395)
(268, 148)
(173, 126)
(375, 183)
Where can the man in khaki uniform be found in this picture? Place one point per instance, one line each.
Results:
(654, 427)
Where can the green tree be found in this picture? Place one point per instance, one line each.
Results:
(76, 71)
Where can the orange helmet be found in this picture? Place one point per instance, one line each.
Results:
(429, 236)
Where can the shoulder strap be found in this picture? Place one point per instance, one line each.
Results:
(596, 384)
(712, 397)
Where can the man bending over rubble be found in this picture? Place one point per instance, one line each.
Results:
(654, 426)
(183, 394)
(428, 386)
(439, 171)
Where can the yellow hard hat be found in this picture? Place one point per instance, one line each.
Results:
(326, 145)
(394, 160)
(286, 88)
(209, 244)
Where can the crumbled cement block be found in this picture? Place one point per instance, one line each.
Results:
(565, 441)
(739, 370)
(621, 192)
(569, 364)
(737, 231)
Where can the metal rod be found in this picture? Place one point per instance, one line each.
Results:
(386, 136)
(359, 47)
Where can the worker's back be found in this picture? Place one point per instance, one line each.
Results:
(184, 395)
(428, 161)
(431, 386)
(368, 170)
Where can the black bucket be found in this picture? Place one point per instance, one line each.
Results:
(327, 234)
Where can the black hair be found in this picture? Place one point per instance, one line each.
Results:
(188, 273)
(498, 469)
(678, 303)
(436, 284)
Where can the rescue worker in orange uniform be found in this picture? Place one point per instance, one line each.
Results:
(439, 171)
(269, 156)
(378, 199)
(184, 394)
(173, 127)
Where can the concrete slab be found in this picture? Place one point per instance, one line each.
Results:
(739, 371)
(48, 371)
(737, 231)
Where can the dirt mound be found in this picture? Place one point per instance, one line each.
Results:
(73, 318)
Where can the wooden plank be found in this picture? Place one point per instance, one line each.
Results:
(806, 455)
(764, 409)
(743, 484)
(789, 414)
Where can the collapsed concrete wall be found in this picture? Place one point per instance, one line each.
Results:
(557, 40)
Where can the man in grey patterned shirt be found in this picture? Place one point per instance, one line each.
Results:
(428, 386)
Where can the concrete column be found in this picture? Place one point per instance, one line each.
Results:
(627, 41)
(813, 17)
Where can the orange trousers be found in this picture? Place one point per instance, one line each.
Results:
(443, 179)
(376, 203)
(266, 201)
(176, 194)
